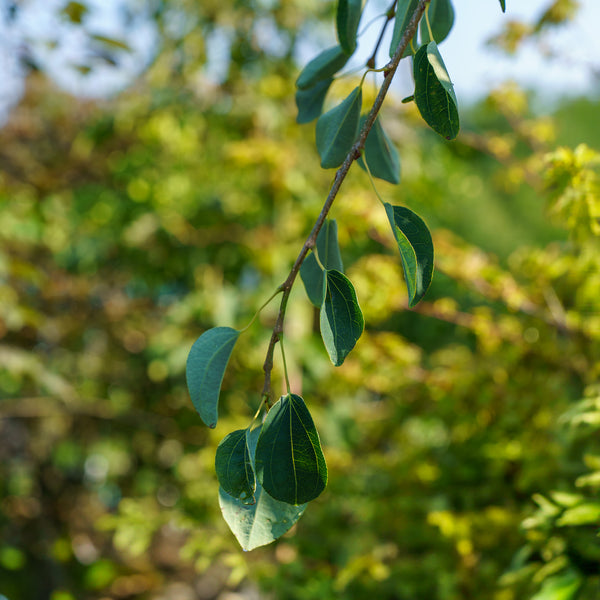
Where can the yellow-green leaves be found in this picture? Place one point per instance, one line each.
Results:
(561, 586)
(206, 364)
(329, 255)
(264, 521)
(234, 467)
(342, 321)
(323, 66)
(441, 19)
(310, 101)
(416, 250)
(381, 156)
(404, 12)
(337, 129)
(434, 92)
(347, 19)
(290, 464)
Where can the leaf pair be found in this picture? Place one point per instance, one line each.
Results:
(290, 469)
(341, 319)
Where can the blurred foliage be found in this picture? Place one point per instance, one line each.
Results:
(461, 437)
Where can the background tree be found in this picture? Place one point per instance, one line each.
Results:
(461, 436)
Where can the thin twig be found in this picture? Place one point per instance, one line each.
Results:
(353, 154)
(389, 14)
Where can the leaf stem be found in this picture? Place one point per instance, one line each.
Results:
(340, 175)
(372, 180)
(429, 24)
(277, 291)
(285, 370)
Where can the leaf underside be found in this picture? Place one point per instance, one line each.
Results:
(262, 522)
(434, 92)
(336, 130)
(347, 19)
(329, 254)
(404, 12)
(310, 101)
(205, 368)
(342, 321)
(234, 467)
(289, 460)
(416, 250)
(441, 19)
(381, 155)
(323, 66)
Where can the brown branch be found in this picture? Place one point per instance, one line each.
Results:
(353, 154)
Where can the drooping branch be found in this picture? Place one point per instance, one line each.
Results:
(342, 172)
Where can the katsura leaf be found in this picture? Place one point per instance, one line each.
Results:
(323, 66)
(347, 19)
(336, 130)
(404, 12)
(234, 467)
(441, 19)
(206, 364)
(328, 251)
(434, 92)
(380, 154)
(262, 522)
(289, 460)
(310, 101)
(342, 321)
(416, 250)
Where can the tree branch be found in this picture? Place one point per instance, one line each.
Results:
(353, 154)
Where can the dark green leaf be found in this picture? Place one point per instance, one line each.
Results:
(503, 5)
(206, 364)
(234, 467)
(330, 257)
(380, 154)
(408, 99)
(324, 66)
(563, 586)
(416, 250)
(404, 12)
(348, 17)
(342, 321)
(310, 101)
(441, 19)
(337, 128)
(434, 92)
(289, 461)
(262, 522)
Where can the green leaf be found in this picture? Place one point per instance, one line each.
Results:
(584, 514)
(262, 522)
(404, 12)
(342, 321)
(503, 5)
(337, 128)
(380, 154)
(323, 66)
(441, 19)
(560, 587)
(234, 467)
(347, 19)
(329, 255)
(434, 92)
(310, 101)
(289, 461)
(416, 250)
(206, 364)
